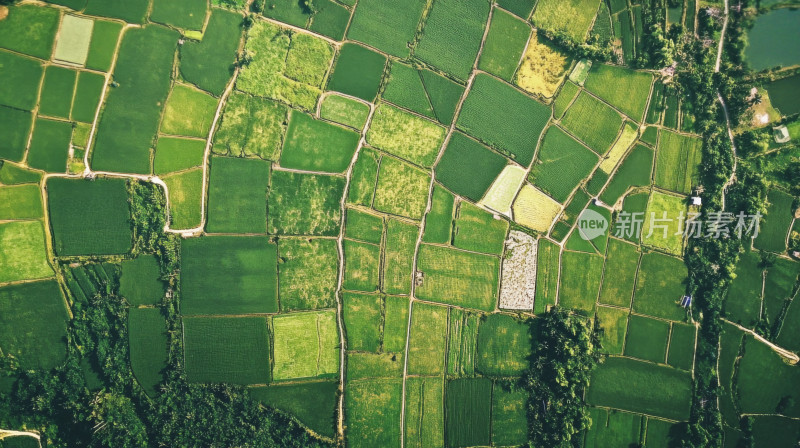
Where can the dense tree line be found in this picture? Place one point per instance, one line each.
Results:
(60, 405)
(566, 350)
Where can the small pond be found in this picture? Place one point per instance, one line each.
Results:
(774, 40)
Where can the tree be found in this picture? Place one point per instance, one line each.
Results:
(565, 353)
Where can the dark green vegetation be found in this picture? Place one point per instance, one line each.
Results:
(15, 125)
(315, 145)
(561, 164)
(34, 334)
(635, 171)
(773, 231)
(358, 72)
(623, 88)
(209, 63)
(87, 96)
(468, 168)
(21, 78)
(188, 14)
(387, 26)
(438, 221)
(178, 154)
(131, 11)
(148, 346)
(314, 404)
(140, 281)
(103, 45)
(231, 350)
(478, 231)
(56, 97)
(593, 122)
(237, 196)
(468, 412)
(210, 265)
(49, 146)
(503, 117)
(423, 92)
(659, 286)
(681, 346)
(89, 218)
(647, 339)
(132, 111)
(452, 36)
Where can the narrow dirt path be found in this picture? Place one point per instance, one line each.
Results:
(791, 356)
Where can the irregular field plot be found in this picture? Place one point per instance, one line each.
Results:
(304, 204)
(571, 17)
(237, 196)
(343, 110)
(534, 209)
(147, 336)
(36, 332)
(315, 145)
(458, 278)
(593, 122)
(639, 386)
(504, 189)
(543, 68)
(613, 428)
(623, 88)
(314, 404)
(89, 218)
(765, 380)
(209, 63)
(635, 171)
(226, 350)
(402, 189)
(504, 345)
(467, 167)
(358, 72)
(562, 163)
(504, 45)
(498, 114)
(228, 275)
(305, 345)
(251, 126)
(405, 135)
(423, 91)
(743, 303)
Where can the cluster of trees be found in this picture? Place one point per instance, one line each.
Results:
(658, 46)
(566, 350)
(67, 413)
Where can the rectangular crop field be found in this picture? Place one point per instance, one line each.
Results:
(478, 231)
(363, 226)
(663, 234)
(573, 18)
(639, 386)
(402, 189)
(308, 271)
(439, 220)
(251, 126)
(237, 195)
(504, 45)
(304, 204)
(343, 110)
(424, 419)
(313, 403)
(387, 26)
(395, 324)
(458, 278)
(547, 270)
(20, 202)
(622, 262)
(363, 178)
(305, 345)
(89, 218)
(467, 167)
(509, 416)
(373, 412)
(140, 281)
(462, 343)
(772, 233)
(209, 63)
(405, 135)
(226, 350)
(678, 162)
(504, 345)
(647, 339)
(660, 286)
(363, 318)
(229, 275)
(580, 280)
(401, 239)
(185, 198)
(469, 406)
(428, 343)
(743, 303)
(765, 380)
(681, 346)
(361, 266)
(614, 323)
(315, 145)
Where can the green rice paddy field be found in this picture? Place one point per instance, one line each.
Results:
(330, 241)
